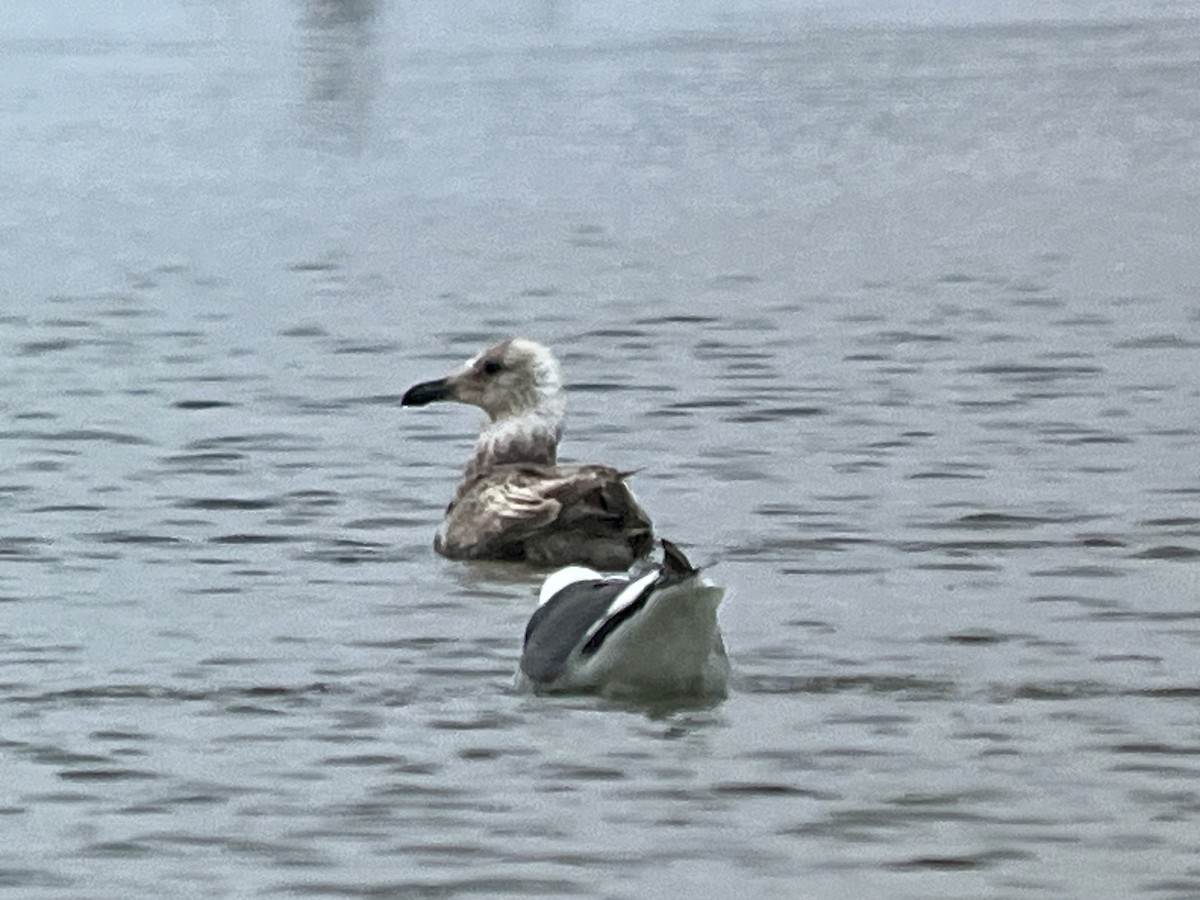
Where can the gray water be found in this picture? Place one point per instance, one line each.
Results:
(898, 321)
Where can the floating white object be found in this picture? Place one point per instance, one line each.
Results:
(646, 636)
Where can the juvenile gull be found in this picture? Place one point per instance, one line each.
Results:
(515, 501)
(648, 636)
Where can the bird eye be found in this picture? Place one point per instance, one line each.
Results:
(491, 367)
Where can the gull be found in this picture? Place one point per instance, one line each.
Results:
(515, 502)
(650, 636)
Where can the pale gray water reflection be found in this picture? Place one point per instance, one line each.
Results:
(898, 325)
(340, 58)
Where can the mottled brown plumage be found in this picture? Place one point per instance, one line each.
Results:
(515, 502)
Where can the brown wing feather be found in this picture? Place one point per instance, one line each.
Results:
(553, 515)
(491, 516)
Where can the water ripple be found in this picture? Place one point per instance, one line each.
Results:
(875, 320)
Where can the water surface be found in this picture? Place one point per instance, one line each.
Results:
(896, 319)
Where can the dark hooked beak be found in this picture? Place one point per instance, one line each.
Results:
(427, 392)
